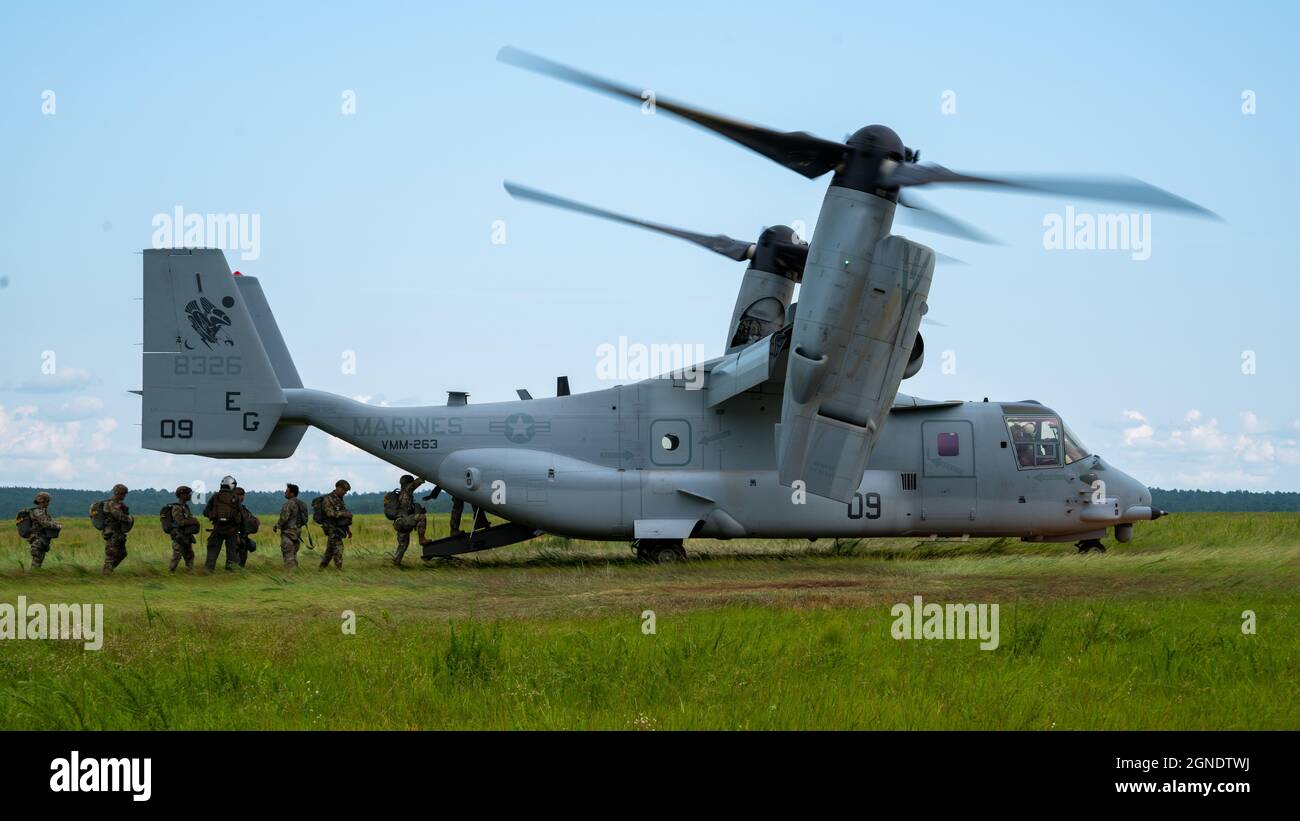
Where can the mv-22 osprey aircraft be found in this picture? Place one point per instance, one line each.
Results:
(797, 431)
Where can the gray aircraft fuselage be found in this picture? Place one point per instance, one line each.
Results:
(654, 460)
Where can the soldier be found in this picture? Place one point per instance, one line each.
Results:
(223, 511)
(117, 523)
(293, 516)
(410, 516)
(248, 525)
(457, 507)
(338, 524)
(44, 528)
(184, 529)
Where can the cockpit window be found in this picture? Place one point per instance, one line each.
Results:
(1042, 442)
(1074, 449)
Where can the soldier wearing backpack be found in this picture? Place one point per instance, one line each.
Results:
(179, 523)
(293, 518)
(336, 521)
(38, 528)
(248, 525)
(406, 514)
(115, 520)
(223, 511)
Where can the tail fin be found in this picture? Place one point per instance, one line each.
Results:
(215, 364)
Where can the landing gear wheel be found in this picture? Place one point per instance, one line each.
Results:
(660, 551)
(1091, 544)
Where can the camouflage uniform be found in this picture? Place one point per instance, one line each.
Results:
(457, 507)
(117, 518)
(290, 532)
(42, 525)
(225, 532)
(410, 516)
(184, 528)
(338, 521)
(246, 528)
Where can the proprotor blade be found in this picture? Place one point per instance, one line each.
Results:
(796, 150)
(926, 216)
(736, 249)
(1111, 189)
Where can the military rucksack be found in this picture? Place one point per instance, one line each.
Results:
(318, 510)
(97, 517)
(25, 525)
(165, 517)
(222, 507)
(391, 509)
(249, 522)
(302, 513)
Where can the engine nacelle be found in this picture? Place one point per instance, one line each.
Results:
(859, 314)
(768, 286)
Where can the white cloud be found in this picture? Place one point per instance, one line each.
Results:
(75, 409)
(23, 434)
(1136, 416)
(1208, 437)
(1212, 458)
(60, 467)
(37, 449)
(100, 440)
(1140, 433)
(1250, 422)
(63, 380)
(1253, 449)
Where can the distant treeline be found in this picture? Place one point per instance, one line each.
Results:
(69, 503)
(1225, 501)
(78, 502)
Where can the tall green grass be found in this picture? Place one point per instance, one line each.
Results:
(749, 635)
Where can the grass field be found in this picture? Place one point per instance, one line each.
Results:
(748, 635)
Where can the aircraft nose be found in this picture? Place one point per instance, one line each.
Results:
(1138, 497)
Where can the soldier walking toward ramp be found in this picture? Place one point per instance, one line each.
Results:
(248, 525)
(223, 511)
(407, 515)
(41, 528)
(115, 520)
(179, 523)
(337, 524)
(293, 518)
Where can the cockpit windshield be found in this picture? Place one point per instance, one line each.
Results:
(1043, 442)
(1074, 449)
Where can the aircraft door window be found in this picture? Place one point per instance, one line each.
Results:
(1037, 441)
(947, 451)
(947, 444)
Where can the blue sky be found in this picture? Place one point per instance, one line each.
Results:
(376, 227)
